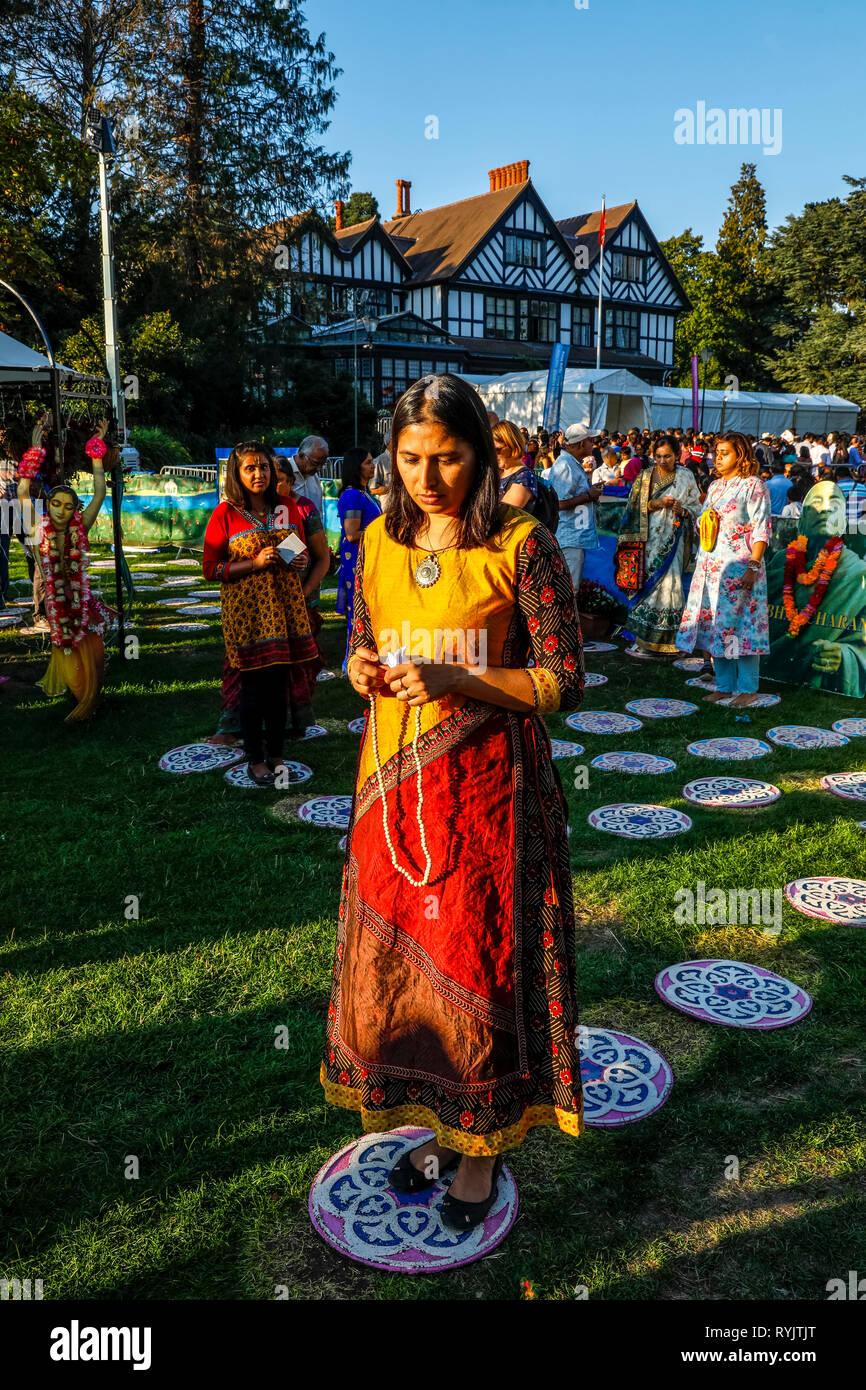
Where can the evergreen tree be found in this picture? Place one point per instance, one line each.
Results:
(742, 303)
(359, 207)
(695, 270)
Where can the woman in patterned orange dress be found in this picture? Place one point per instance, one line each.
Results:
(265, 620)
(453, 1003)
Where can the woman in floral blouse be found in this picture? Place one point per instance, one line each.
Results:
(726, 611)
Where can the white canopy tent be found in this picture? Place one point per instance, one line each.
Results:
(610, 398)
(753, 412)
(20, 365)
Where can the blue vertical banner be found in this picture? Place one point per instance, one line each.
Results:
(555, 383)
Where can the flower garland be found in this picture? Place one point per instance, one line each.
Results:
(795, 569)
(31, 461)
(67, 617)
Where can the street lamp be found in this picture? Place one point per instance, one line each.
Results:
(370, 325)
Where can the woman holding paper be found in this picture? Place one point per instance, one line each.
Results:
(265, 621)
(453, 1003)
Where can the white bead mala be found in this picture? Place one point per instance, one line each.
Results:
(416, 883)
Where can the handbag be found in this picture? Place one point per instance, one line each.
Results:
(630, 566)
(708, 528)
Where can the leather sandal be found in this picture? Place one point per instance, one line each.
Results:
(266, 780)
(405, 1177)
(463, 1216)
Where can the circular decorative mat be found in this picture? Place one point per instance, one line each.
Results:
(356, 726)
(851, 785)
(561, 748)
(199, 757)
(764, 701)
(632, 762)
(204, 593)
(143, 574)
(11, 619)
(596, 647)
(326, 676)
(689, 663)
(203, 610)
(315, 731)
(179, 581)
(730, 992)
(591, 678)
(851, 728)
(602, 722)
(731, 792)
(181, 627)
(240, 777)
(145, 588)
(332, 811)
(661, 709)
(355, 1211)
(633, 821)
(804, 736)
(703, 683)
(639, 655)
(840, 900)
(730, 749)
(623, 1079)
(173, 602)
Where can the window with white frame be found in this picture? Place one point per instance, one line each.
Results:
(583, 325)
(625, 266)
(622, 329)
(525, 250)
(499, 320)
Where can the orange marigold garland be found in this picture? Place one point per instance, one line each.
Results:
(67, 590)
(820, 575)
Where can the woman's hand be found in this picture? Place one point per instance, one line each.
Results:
(301, 561)
(748, 579)
(418, 683)
(366, 672)
(266, 558)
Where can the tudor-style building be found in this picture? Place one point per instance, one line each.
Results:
(484, 286)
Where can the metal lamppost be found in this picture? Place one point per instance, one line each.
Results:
(358, 302)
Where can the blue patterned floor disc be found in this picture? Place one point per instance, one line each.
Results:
(332, 811)
(356, 726)
(804, 736)
(591, 678)
(623, 1078)
(326, 676)
(315, 731)
(730, 992)
(10, 619)
(730, 749)
(181, 627)
(602, 722)
(343, 843)
(764, 701)
(632, 762)
(142, 574)
(352, 1208)
(840, 900)
(179, 581)
(851, 785)
(703, 683)
(661, 709)
(595, 648)
(145, 588)
(201, 610)
(199, 757)
(206, 595)
(851, 728)
(637, 822)
(561, 748)
(173, 602)
(731, 792)
(689, 663)
(239, 777)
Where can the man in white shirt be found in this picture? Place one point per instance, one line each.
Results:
(819, 452)
(608, 469)
(311, 456)
(576, 531)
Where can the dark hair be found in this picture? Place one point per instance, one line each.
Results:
(234, 489)
(282, 465)
(350, 468)
(799, 487)
(672, 444)
(456, 406)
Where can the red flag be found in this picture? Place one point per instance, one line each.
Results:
(601, 226)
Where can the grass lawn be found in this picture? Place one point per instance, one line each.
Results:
(153, 1037)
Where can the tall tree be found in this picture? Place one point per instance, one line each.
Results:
(743, 304)
(695, 269)
(359, 207)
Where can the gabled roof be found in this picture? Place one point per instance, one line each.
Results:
(583, 229)
(349, 237)
(344, 242)
(437, 243)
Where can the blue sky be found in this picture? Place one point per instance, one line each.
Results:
(589, 96)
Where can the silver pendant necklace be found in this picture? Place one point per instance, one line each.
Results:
(430, 570)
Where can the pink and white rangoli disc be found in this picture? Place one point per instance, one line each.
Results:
(591, 678)
(703, 683)
(851, 728)
(595, 648)
(199, 757)
(602, 722)
(356, 726)
(179, 581)
(353, 1208)
(850, 785)
(764, 700)
(840, 900)
(730, 992)
(239, 777)
(561, 748)
(731, 792)
(729, 749)
(661, 709)
(804, 736)
(623, 1079)
(330, 811)
(632, 762)
(633, 821)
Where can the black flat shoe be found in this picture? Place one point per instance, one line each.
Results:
(405, 1177)
(266, 780)
(462, 1216)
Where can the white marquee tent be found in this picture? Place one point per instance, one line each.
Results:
(20, 365)
(753, 412)
(610, 398)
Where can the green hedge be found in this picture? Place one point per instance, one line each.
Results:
(158, 450)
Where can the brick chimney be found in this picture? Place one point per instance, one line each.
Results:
(508, 174)
(338, 215)
(400, 186)
(407, 184)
